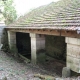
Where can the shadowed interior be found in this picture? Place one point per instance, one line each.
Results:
(23, 43)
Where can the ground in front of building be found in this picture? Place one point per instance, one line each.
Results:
(16, 69)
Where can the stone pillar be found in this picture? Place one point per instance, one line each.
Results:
(73, 54)
(12, 41)
(37, 44)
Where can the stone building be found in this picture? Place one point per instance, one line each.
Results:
(53, 29)
(2, 26)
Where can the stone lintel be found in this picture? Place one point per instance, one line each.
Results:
(75, 41)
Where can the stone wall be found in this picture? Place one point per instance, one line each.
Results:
(2, 26)
(4, 41)
(2, 31)
(73, 54)
(56, 47)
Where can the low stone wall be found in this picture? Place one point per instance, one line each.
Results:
(73, 54)
(3, 35)
(56, 47)
(4, 41)
(2, 26)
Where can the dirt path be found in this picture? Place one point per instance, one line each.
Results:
(18, 70)
(15, 69)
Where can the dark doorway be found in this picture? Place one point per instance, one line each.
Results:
(23, 43)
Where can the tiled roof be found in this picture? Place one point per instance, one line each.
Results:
(64, 14)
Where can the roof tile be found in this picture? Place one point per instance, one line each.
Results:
(64, 14)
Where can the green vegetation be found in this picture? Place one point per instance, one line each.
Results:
(9, 11)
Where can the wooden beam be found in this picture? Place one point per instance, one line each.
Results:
(70, 34)
(65, 33)
(37, 31)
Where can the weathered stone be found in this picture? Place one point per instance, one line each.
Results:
(55, 46)
(37, 43)
(1, 46)
(12, 38)
(44, 77)
(66, 72)
(12, 42)
(2, 26)
(4, 78)
(70, 40)
(73, 63)
(73, 50)
(73, 54)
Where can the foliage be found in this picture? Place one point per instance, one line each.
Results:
(9, 11)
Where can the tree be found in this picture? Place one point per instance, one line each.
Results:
(9, 11)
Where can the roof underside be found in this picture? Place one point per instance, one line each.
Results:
(64, 14)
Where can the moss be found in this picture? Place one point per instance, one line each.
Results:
(14, 51)
(41, 57)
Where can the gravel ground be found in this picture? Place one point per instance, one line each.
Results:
(15, 69)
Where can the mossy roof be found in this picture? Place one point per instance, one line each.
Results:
(62, 14)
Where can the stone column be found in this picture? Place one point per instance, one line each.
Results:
(37, 44)
(73, 54)
(12, 41)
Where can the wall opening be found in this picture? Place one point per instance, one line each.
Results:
(56, 47)
(23, 44)
(55, 53)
